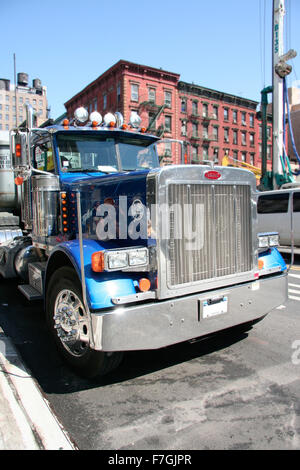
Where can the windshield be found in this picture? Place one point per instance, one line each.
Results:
(96, 153)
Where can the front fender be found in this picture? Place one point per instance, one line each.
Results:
(100, 287)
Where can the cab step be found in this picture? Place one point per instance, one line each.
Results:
(30, 292)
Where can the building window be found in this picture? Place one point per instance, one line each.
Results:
(235, 137)
(243, 118)
(226, 114)
(6, 117)
(243, 138)
(234, 116)
(215, 112)
(269, 152)
(205, 110)
(215, 133)
(7, 108)
(205, 132)
(252, 140)
(134, 92)
(7, 98)
(118, 92)
(195, 108)
(226, 134)
(183, 128)
(268, 133)
(168, 149)
(194, 153)
(252, 158)
(205, 153)
(151, 121)
(104, 100)
(235, 154)
(194, 129)
(244, 156)
(151, 95)
(183, 105)
(168, 99)
(251, 119)
(94, 104)
(216, 154)
(168, 123)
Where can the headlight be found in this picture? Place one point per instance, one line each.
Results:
(274, 240)
(263, 242)
(111, 260)
(138, 257)
(117, 260)
(266, 240)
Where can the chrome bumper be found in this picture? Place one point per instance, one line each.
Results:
(162, 323)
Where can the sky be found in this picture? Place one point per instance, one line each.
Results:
(220, 44)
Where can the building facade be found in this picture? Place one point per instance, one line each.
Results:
(211, 123)
(13, 99)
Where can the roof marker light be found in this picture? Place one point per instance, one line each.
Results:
(135, 120)
(96, 118)
(81, 115)
(108, 119)
(119, 119)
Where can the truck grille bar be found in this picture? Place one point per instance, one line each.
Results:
(219, 217)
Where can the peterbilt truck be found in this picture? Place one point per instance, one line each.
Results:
(130, 255)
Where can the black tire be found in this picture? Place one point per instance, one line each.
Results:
(85, 361)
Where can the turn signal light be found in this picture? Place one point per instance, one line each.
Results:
(144, 284)
(260, 264)
(18, 150)
(98, 262)
(19, 180)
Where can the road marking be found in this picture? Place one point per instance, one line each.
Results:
(294, 291)
(293, 297)
(295, 275)
(294, 285)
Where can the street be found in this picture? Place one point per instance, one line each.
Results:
(232, 391)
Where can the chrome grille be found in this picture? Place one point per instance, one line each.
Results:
(219, 217)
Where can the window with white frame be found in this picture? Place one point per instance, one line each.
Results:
(134, 92)
(168, 123)
(151, 95)
(168, 99)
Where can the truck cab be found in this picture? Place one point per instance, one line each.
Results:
(128, 255)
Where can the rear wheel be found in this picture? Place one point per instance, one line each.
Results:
(68, 323)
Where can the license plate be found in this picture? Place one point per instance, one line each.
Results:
(215, 306)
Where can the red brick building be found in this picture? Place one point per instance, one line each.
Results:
(212, 123)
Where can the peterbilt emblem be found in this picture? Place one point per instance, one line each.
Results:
(212, 175)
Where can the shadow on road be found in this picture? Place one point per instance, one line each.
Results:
(24, 323)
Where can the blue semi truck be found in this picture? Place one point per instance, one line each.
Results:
(126, 254)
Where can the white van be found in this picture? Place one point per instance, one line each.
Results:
(275, 212)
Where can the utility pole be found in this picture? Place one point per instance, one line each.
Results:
(280, 70)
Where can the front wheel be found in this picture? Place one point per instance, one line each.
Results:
(68, 323)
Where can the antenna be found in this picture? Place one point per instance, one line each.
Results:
(15, 78)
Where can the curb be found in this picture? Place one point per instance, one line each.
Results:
(38, 428)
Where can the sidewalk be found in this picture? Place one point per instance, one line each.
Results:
(26, 419)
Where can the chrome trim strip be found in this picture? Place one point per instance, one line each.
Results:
(126, 299)
(83, 283)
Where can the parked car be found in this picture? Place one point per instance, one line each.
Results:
(279, 211)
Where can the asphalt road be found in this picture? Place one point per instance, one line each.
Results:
(231, 391)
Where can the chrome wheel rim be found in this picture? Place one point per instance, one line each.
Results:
(71, 323)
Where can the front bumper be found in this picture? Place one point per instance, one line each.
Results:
(162, 323)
